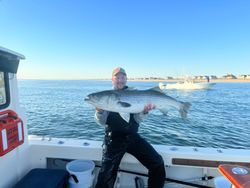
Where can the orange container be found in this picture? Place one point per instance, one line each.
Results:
(11, 131)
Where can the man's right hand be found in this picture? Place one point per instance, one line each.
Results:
(99, 110)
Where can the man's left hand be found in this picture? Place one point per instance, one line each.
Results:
(148, 107)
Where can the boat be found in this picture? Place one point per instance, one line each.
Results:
(187, 85)
(22, 154)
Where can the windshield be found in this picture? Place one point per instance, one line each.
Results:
(3, 91)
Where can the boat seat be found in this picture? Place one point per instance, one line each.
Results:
(44, 178)
(222, 182)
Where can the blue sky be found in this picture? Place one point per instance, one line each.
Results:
(82, 39)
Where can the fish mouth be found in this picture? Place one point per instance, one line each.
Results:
(86, 98)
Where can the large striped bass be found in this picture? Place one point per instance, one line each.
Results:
(133, 101)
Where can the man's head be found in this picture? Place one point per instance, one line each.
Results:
(119, 78)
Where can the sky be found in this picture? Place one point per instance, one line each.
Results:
(87, 39)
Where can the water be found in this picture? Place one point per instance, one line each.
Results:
(218, 117)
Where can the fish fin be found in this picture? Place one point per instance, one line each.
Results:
(125, 116)
(124, 104)
(164, 111)
(156, 89)
(184, 109)
(131, 88)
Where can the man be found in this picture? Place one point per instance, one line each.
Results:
(122, 137)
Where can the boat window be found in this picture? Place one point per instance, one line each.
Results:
(4, 90)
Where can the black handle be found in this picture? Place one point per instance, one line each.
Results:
(75, 178)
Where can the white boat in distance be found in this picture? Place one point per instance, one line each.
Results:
(187, 85)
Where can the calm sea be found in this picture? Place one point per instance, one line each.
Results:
(219, 117)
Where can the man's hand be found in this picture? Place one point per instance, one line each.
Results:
(99, 110)
(148, 107)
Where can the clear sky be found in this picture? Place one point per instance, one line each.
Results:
(79, 39)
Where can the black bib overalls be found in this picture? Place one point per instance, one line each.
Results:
(122, 137)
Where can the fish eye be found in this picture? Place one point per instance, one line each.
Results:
(86, 98)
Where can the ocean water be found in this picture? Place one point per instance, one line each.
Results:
(218, 118)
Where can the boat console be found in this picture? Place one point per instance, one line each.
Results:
(239, 176)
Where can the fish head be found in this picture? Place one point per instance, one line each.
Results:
(101, 99)
(95, 98)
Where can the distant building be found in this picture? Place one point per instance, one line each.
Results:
(204, 77)
(154, 78)
(213, 77)
(229, 76)
(243, 76)
(198, 77)
(169, 78)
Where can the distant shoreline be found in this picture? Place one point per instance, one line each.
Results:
(156, 80)
(196, 80)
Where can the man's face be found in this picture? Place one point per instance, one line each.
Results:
(119, 81)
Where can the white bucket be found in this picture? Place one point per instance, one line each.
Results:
(82, 170)
(73, 184)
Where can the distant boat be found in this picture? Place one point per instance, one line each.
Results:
(187, 85)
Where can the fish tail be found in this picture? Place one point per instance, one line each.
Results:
(184, 109)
